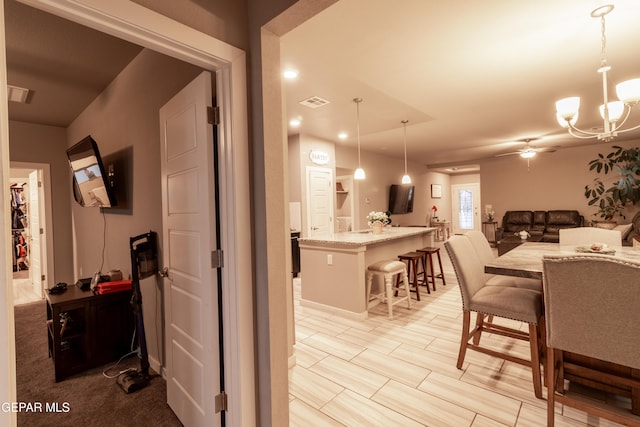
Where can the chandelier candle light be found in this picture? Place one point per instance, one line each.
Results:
(359, 174)
(614, 113)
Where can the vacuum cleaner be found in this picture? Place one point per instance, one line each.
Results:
(144, 263)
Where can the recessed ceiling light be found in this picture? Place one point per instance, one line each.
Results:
(342, 135)
(290, 74)
(294, 122)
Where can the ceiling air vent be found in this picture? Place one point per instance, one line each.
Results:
(17, 94)
(314, 102)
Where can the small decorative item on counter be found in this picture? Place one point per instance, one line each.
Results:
(524, 234)
(434, 208)
(377, 220)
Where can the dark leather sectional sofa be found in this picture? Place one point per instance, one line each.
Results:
(539, 223)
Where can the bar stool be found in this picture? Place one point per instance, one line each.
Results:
(414, 260)
(389, 269)
(428, 252)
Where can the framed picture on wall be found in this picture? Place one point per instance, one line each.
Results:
(436, 191)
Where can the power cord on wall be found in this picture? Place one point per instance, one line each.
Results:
(96, 276)
(104, 239)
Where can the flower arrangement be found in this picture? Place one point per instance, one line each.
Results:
(434, 208)
(523, 234)
(490, 213)
(381, 217)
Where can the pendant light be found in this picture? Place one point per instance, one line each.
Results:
(359, 174)
(406, 179)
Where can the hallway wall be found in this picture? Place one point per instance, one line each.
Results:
(126, 116)
(34, 143)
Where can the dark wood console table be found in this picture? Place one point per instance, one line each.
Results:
(86, 330)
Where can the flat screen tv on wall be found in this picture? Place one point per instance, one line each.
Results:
(91, 188)
(401, 198)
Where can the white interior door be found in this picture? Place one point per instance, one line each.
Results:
(320, 193)
(188, 205)
(465, 207)
(35, 245)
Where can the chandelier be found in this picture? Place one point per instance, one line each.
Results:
(614, 113)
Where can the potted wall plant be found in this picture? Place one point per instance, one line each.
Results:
(617, 184)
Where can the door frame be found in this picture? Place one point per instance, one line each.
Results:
(46, 222)
(129, 21)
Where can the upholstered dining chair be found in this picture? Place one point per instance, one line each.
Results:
(486, 255)
(507, 302)
(589, 235)
(577, 289)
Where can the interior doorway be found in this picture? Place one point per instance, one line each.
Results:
(32, 242)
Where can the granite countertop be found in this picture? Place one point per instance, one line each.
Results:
(365, 237)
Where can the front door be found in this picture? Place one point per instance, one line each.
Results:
(320, 193)
(465, 207)
(189, 240)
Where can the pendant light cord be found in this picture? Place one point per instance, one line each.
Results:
(404, 122)
(358, 101)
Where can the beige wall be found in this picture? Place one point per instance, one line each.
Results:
(553, 181)
(382, 171)
(48, 144)
(224, 20)
(126, 115)
(295, 178)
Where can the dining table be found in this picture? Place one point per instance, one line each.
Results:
(526, 261)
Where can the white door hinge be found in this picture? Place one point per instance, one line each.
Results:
(217, 258)
(213, 115)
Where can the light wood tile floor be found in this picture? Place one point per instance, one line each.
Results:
(401, 371)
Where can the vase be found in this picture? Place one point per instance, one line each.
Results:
(376, 227)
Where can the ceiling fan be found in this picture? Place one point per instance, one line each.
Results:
(528, 151)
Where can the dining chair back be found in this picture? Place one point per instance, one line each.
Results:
(481, 246)
(588, 235)
(577, 289)
(489, 302)
(486, 255)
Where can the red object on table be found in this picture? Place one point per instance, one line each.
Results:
(115, 286)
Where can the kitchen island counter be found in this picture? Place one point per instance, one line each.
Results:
(333, 267)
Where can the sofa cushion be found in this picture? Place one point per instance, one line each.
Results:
(562, 219)
(539, 220)
(517, 220)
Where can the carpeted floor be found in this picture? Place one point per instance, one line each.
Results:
(86, 399)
